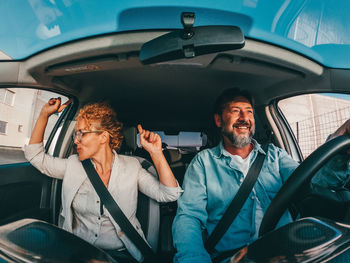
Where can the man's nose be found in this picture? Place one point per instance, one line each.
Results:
(243, 116)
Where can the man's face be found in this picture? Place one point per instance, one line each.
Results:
(237, 122)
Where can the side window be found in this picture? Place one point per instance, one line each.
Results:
(313, 117)
(19, 110)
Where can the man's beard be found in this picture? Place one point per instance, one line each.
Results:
(238, 141)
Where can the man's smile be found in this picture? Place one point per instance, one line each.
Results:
(242, 127)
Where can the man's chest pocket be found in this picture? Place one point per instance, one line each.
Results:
(271, 181)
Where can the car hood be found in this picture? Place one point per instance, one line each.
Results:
(316, 29)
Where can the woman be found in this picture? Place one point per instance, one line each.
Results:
(97, 135)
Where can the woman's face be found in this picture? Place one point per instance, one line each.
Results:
(88, 142)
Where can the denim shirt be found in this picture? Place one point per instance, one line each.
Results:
(211, 181)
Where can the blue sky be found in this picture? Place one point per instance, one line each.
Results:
(337, 95)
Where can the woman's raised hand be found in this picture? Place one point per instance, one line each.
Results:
(153, 144)
(150, 141)
(54, 105)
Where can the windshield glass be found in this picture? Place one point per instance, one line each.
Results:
(317, 29)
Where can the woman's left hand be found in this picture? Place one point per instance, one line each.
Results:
(150, 140)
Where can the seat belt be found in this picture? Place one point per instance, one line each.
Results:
(115, 211)
(237, 202)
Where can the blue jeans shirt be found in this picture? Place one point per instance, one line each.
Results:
(210, 183)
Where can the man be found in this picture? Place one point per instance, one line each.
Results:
(215, 175)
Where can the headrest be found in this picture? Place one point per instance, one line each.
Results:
(130, 138)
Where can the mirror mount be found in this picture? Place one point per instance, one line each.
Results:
(187, 20)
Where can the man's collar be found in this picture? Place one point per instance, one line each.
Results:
(219, 150)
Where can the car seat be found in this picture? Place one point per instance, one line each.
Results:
(148, 212)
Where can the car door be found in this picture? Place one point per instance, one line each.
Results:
(24, 191)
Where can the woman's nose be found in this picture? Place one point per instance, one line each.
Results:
(76, 141)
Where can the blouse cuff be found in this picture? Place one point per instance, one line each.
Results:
(172, 190)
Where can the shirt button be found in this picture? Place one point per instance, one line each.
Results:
(99, 218)
(253, 197)
(95, 235)
(98, 202)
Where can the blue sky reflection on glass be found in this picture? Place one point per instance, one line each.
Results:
(315, 28)
(338, 95)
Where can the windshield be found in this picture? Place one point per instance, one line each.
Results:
(317, 29)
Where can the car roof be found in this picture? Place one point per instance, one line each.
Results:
(96, 60)
(315, 29)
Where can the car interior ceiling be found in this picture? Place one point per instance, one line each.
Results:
(184, 95)
(184, 88)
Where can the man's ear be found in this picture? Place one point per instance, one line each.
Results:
(218, 120)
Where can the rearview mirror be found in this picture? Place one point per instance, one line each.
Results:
(190, 42)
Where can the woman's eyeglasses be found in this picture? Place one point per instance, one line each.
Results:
(79, 134)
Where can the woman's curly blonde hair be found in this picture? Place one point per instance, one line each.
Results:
(103, 115)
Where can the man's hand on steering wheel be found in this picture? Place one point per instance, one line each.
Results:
(302, 176)
(342, 130)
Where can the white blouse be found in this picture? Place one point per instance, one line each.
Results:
(127, 178)
(88, 221)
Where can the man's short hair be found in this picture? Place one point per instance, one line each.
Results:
(228, 96)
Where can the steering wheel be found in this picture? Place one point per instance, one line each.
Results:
(300, 178)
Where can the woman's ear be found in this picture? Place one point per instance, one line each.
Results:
(218, 120)
(105, 137)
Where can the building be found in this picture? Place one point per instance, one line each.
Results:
(19, 108)
(313, 117)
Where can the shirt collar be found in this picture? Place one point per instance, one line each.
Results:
(220, 151)
(115, 156)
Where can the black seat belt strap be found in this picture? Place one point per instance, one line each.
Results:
(237, 202)
(146, 164)
(116, 212)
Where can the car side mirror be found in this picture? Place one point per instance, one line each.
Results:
(191, 41)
